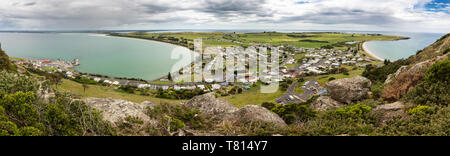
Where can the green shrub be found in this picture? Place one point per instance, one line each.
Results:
(11, 83)
(268, 105)
(377, 90)
(419, 109)
(430, 94)
(177, 113)
(331, 79)
(440, 71)
(435, 123)
(292, 113)
(331, 123)
(357, 110)
(380, 73)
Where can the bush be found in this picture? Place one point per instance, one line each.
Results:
(11, 83)
(357, 110)
(435, 122)
(178, 116)
(292, 113)
(419, 109)
(380, 73)
(333, 123)
(430, 94)
(440, 71)
(331, 79)
(268, 105)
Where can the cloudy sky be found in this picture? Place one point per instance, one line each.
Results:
(382, 15)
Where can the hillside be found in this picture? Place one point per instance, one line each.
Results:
(439, 48)
(402, 98)
(5, 64)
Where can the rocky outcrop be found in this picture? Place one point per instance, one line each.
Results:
(223, 111)
(349, 89)
(392, 76)
(324, 103)
(115, 110)
(389, 111)
(252, 114)
(209, 105)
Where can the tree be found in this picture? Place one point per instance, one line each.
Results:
(55, 79)
(169, 76)
(85, 86)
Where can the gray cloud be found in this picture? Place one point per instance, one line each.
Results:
(229, 8)
(99, 14)
(344, 16)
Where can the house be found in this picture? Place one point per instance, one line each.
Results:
(97, 79)
(216, 86)
(201, 87)
(124, 83)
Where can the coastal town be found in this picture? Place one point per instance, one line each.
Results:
(294, 63)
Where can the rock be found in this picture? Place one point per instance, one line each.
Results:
(389, 111)
(349, 89)
(392, 76)
(115, 110)
(252, 113)
(325, 102)
(209, 105)
(391, 107)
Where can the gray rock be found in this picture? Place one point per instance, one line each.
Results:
(391, 107)
(392, 76)
(115, 110)
(252, 114)
(325, 102)
(349, 89)
(209, 105)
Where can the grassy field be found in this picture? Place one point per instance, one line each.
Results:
(107, 92)
(307, 40)
(252, 97)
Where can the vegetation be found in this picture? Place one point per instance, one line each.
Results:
(292, 113)
(380, 74)
(108, 92)
(24, 113)
(176, 117)
(309, 40)
(178, 94)
(5, 64)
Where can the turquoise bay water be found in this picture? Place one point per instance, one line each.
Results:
(395, 50)
(111, 56)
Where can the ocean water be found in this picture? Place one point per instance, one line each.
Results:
(111, 56)
(395, 50)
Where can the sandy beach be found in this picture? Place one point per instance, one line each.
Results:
(370, 53)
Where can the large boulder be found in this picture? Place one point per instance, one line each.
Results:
(325, 102)
(253, 114)
(209, 105)
(349, 89)
(115, 110)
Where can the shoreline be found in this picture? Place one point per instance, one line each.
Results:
(148, 40)
(159, 42)
(370, 53)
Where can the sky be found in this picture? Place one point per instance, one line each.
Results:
(353, 15)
